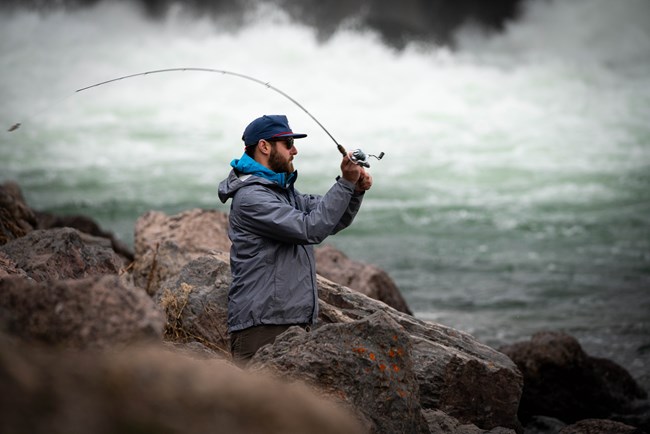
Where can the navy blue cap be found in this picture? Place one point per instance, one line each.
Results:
(268, 127)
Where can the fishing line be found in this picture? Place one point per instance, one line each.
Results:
(358, 155)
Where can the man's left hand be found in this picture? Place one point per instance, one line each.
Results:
(364, 183)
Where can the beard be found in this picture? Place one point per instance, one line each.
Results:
(278, 163)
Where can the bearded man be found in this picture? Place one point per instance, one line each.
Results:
(273, 228)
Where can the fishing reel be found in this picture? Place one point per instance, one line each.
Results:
(361, 158)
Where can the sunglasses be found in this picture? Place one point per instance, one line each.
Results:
(288, 141)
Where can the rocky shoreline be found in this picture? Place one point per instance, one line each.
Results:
(96, 338)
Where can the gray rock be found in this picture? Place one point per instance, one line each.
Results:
(86, 225)
(62, 253)
(456, 374)
(562, 381)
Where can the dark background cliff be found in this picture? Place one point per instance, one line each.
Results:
(396, 22)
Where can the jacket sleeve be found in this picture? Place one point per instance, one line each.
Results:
(350, 213)
(311, 201)
(262, 212)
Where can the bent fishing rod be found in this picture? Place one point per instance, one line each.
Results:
(358, 156)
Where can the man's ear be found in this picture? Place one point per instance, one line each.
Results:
(264, 147)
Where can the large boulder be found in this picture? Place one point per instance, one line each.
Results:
(456, 374)
(62, 253)
(148, 389)
(365, 278)
(95, 312)
(164, 244)
(366, 363)
(562, 381)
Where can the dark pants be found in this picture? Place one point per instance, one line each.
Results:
(245, 343)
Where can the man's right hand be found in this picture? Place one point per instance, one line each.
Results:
(350, 170)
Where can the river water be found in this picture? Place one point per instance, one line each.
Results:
(515, 191)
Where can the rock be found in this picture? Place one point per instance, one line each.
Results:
(164, 244)
(196, 302)
(63, 253)
(95, 312)
(456, 374)
(195, 231)
(148, 389)
(599, 426)
(86, 225)
(155, 266)
(365, 363)
(440, 422)
(16, 218)
(8, 267)
(367, 279)
(562, 381)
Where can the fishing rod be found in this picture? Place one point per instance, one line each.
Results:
(358, 156)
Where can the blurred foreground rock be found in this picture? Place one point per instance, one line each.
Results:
(148, 389)
(95, 312)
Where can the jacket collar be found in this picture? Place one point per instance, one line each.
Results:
(248, 166)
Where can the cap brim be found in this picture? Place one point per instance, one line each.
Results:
(294, 135)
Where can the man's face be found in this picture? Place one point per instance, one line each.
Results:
(281, 158)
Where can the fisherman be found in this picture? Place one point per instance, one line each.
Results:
(273, 229)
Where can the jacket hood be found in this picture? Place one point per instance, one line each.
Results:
(246, 171)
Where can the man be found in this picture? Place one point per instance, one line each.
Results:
(273, 228)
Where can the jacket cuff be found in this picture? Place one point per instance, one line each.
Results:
(349, 185)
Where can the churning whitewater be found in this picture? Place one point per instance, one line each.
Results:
(515, 191)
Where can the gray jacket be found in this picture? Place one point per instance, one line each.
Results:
(272, 230)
